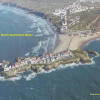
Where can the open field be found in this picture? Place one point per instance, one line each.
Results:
(88, 20)
(97, 26)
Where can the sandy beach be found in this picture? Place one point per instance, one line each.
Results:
(64, 40)
(77, 42)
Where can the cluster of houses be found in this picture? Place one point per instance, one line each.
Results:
(74, 20)
(46, 59)
(84, 33)
(64, 13)
(71, 9)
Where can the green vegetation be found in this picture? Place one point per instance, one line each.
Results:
(79, 52)
(86, 19)
(55, 20)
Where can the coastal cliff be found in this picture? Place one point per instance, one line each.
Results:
(78, 56)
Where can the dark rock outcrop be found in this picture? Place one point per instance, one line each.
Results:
(95, 53)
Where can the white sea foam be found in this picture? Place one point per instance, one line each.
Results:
(39, 30)
(30, 76)
(35, 19)
(19, 77)
(37, 48)
(38, 35)
(41, 45)
(27, 54)
(45, 45)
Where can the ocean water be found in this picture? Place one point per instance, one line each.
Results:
(17, 21)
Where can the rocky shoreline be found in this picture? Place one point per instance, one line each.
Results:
(78, 56)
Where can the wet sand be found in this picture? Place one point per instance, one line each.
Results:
(79, 42)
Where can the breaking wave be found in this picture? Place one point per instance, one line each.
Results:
(30, 76)
(40, 26)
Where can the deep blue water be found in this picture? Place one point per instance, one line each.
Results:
(71, 83)
(18, 21)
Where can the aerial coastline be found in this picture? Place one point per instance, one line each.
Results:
(67, 50)
(62, 40)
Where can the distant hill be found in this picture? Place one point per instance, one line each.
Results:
(40, 5)
(43, 5)
(90, 0)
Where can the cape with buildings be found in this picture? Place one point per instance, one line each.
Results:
(46, 62)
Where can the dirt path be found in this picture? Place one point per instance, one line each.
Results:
(93, 22)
